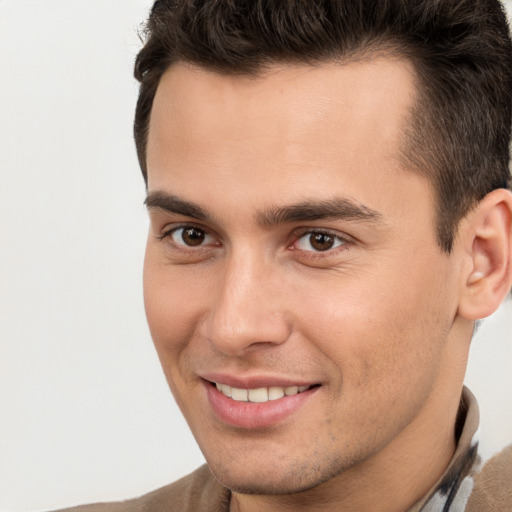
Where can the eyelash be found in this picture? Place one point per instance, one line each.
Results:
(344, 242)
(169, 232)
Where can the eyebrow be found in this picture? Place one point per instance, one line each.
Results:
(310, 210)
(173, 204)
(331, 209)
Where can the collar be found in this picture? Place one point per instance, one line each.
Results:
(451, 492)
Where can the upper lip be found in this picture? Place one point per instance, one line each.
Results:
(255, 381)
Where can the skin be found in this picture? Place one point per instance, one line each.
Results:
(375, 320)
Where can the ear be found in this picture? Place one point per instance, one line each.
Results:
(487, 243)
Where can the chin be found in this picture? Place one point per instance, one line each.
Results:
(277, 480)
(265, 486)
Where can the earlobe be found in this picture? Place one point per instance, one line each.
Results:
(487, 237)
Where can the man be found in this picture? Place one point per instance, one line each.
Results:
(327, 184)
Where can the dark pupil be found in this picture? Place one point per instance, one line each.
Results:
(193, 236)
(321, 241)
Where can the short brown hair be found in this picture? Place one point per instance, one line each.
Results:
(460, 129)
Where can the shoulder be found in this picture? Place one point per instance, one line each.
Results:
(492, 490)
(197, 492)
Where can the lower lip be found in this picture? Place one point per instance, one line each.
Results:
(250, 415)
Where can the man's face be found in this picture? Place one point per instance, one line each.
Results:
(290, 252)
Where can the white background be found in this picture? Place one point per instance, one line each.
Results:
(85, 414)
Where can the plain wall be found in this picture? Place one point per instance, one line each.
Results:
(85, 411)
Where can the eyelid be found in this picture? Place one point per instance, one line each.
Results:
(170, 228)
(300, 232)
(345, 240)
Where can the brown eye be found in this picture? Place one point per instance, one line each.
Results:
(321, 241)
(190, 236)
(193, 236)
(318, 241)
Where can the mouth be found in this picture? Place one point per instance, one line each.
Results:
(259, 395)
(257, 406)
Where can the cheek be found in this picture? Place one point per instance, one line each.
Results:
(378, 332)
(171, 311)
(384, 351)
(172, 306)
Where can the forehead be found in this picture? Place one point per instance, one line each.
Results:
(290, 130)
(285, 101)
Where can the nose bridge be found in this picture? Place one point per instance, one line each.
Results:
(248, 309)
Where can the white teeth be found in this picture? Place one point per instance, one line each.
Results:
(292, 390)
(259, 395)
(275, 393)
(225, 390)
(240, 395)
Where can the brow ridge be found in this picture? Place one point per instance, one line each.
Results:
(311, 210)
(174, 204)
(308, 210)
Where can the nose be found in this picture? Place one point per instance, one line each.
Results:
(249, 310)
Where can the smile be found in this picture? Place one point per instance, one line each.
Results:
(259, 395)
(258, 402)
